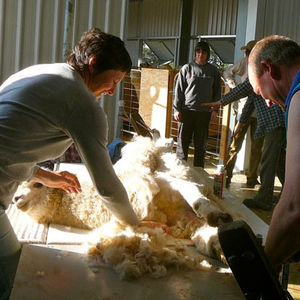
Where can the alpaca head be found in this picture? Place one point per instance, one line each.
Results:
(26, 192)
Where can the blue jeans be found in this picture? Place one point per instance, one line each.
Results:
(10, 250)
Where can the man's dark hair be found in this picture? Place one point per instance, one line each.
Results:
(109, 50)
(204, 46)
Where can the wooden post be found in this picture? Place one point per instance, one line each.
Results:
(172, 74)
(224, 130)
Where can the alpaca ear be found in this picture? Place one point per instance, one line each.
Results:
(37, 185)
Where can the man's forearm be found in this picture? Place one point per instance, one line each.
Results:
(40, 175)
(247, 110)
(176, 107)
(241, 91)
(283, 235)
(178, 100)
(61, 180)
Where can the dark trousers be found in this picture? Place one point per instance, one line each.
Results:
(193, 124)
(272, 164)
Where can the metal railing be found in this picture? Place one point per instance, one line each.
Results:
(130, 101)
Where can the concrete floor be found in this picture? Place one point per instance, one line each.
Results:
(239, 188)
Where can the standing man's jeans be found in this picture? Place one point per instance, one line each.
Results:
(272, 164)
(256, 150)
(10, 250)
(193, 124)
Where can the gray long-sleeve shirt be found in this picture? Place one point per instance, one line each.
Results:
(43, 109)
(197, 84)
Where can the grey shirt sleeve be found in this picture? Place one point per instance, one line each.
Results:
(179, 97)
(88, 128)
(217, 88)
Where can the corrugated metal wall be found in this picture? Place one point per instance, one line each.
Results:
(156, 18)
(39, 31)
(31, 32)
(281, 17)
(214, 17)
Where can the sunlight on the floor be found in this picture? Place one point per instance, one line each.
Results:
(294, 290)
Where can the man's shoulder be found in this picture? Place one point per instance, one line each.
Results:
(296, 100)
(187, 66)
(210, 65)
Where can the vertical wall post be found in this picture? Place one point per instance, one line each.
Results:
(2, 12)
(37, 29)
(185, 31)
(19, 32)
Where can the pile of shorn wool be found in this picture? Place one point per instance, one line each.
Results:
(161, 188)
